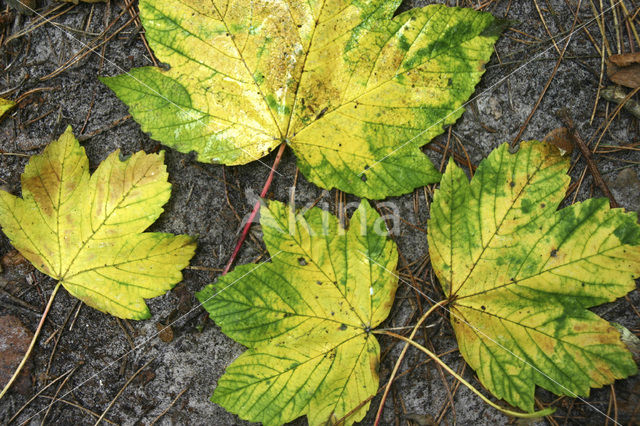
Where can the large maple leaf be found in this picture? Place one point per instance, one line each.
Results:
(86, 230)
(352, 89)
(307, 317)
(520, 274)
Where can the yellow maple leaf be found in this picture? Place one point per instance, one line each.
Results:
(87, 230)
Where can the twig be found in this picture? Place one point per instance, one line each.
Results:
(401, 357)
(166, 410)
(55, 395)
(546, 86)
(33, 341)
(26, 404)
(113, 401)
(73, 404)
(563, 114)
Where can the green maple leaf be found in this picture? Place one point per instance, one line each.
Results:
(520, 274)
(86, 230)
(352, 89)
(306, 317)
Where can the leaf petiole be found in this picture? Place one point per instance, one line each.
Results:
(433, 356)
(256, 208)
(401, 357)
(33, 341)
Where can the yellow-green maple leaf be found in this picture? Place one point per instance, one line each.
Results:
(86, 230)
(5, 105)
(520, 275)
(306, 317)
(352, 89)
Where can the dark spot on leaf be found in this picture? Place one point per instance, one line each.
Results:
(554, 253)
(512, 184)
(363, 177)
(343, 327)
(302, 261)
(319, 282)
(543, 205)
(322, 113)
(483, 307)
(333, 313)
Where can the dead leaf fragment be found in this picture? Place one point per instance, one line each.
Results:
(628, 76)
(625, 59)
(165, 332)
(13, 258)
(561, 138)
(624, 69)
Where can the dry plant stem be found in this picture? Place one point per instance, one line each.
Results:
(33, 341)
(535, 414)
(26, 404)
(401, 357)
(586, 153)
(104, 413)
(166, 410)
(553, 75)
(256, 208)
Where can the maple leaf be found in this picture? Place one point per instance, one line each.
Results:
(353, 90)
(5, 105)
(86, 230)
(306, 317)
(520, 274)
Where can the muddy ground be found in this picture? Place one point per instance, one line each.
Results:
(86, 357)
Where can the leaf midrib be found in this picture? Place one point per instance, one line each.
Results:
(90, 237)
(320, 354)
(255, 83)
(498, 226)
(353, 308)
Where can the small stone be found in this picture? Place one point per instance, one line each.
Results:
(14, 342)
(626, 189)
